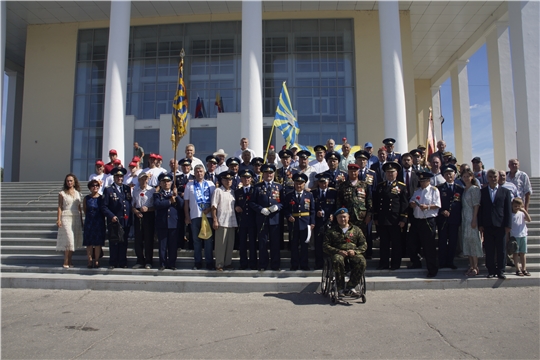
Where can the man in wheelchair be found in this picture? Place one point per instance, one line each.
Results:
(345, 242)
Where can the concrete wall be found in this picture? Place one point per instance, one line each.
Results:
(50, 78)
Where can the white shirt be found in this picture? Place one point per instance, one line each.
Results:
(428, 196)
(146, 200)
(153, 175)
(519, 228)
(319, 167)
(129, 179)
(189, 195)
(310, 173)
(196, 161)
(345, 161)
(522, 182)
(223, 201)
(238, 153)
(437, 179)
(221, 168)
(493, 192)
(101, 178)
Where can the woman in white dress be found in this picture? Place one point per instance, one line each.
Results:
(472, 243)
(69, 219)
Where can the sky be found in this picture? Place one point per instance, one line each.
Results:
(482, 137)
(480, 107)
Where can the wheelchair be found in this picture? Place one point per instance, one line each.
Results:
(329, 283)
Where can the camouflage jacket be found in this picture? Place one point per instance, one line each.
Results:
(353, 239)
(356, 198)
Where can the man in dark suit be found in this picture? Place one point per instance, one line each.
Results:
(335, 175)
(117, 208)
(299, 210)
(390, 215)
(247, 230)
(449, 217)
(169, 221)
(495, 222)
(370, 178)
(325, 206)
(266, 202)
(378, 166)
(211, 165)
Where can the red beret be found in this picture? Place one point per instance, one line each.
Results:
(353, 167)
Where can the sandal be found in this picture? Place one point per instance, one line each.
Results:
(519, 273)
(472, 273)
(90, 264)
(469, 270)
(526, 273)
(65, 266)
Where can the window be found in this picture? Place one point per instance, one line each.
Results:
(205, 141)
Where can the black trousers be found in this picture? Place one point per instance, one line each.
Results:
(144, 238)
(118, 251)
(168, 247)
(269, 238)
(318, 243)
(247, 238)
(495, 245)
(448, 239)
(423, 231)
(299, 257)
(369, 239)
(390, 237)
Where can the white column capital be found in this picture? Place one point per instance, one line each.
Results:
(460, 63)
(435, 88)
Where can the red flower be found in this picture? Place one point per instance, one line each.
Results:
(348, 240)
(247, 197)
(142, 194)
(418, 198)
(292, 202)
(126, 217)
(478, 175)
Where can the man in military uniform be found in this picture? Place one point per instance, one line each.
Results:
(247, 230)
(390, 215)
(325, 204)
(417, 160)
(211, 166)
(368, 176)
(234, 165)
(345, 241)
(304, 168)
(335, 175)
(449, 218)
(117, 208)
(299, 210)
(355, 195)
(266, 202)
(285, 173)
(377, 167)
(319, 164)
(169, 221)
(256, 163)
(390, 154)
(182, 179)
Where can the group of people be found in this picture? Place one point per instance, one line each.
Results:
(332, 203)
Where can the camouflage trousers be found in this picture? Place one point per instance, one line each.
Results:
(357, 265)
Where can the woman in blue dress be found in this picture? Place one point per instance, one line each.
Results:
(94, 224)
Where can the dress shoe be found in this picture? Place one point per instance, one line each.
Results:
(161, 268)
(382, 267)
(137, 266)
(294, 268)
(111, 267)
(172, 268)
(305, 268)
(431, 275)
(501, 276)
(414, 266)
(148, 266)
(276, 269)
(394, 267)
(243, 268)
(262, 269)
(490, 276)
(318, 267)
(453, 267)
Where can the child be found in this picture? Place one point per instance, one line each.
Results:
(519, 231)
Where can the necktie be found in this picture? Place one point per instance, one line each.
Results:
(407, 178)
(298, 196)
(246, 190)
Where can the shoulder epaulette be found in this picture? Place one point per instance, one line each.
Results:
(399, 182)
(458, 185)
(330, 188)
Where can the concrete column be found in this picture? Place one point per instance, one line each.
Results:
(437, 111)
(395, 116)
(524, 21)
(2, 54)
(12, 143)
(462, 112)
(116, 79)
(252, 110)
(502, 95)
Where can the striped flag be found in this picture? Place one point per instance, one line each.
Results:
(219, 103)
(200, 111)
(180, 109)
(431, 139)
(284, 119)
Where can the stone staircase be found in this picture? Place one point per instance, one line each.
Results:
(28, 258)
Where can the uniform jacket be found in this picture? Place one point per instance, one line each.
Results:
(247, 217)
(376, 167)
(118, 203)
(353, 239)
(333, 175)
(356, 198)
(264, 198)
(394, 156)
(390, 203)
(306, 204)
(451, 201)
(369, 177)
(327, 204)
(284, 177)
(182, 180)
(211, 177)
(168, 216)
(497, 213)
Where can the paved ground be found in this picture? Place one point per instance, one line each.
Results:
(433, 324)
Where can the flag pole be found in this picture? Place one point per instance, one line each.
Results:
(269, 141)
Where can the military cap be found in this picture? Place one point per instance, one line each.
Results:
(257, 161)
(449, 167)
(322, 177)
(421, 147)
(391, 166)
(246, 173)
(304, 154)
(233, 161)
(165, 177)
(415, 152)
(300, 177)
(118, 172)
(142, 174)
(389, 141)
(319, 148)
(229, 175)
(211, 158)
(184, 162)
(100, 163)
(268, 168)
(447, 153)
(424, 175)
(476, 159)
(361, 153)
(353, 167)
(341, 211)
(285, 153)
(332, 155)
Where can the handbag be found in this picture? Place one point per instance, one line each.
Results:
(511, 246)
(206, 230)
(115, 232)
